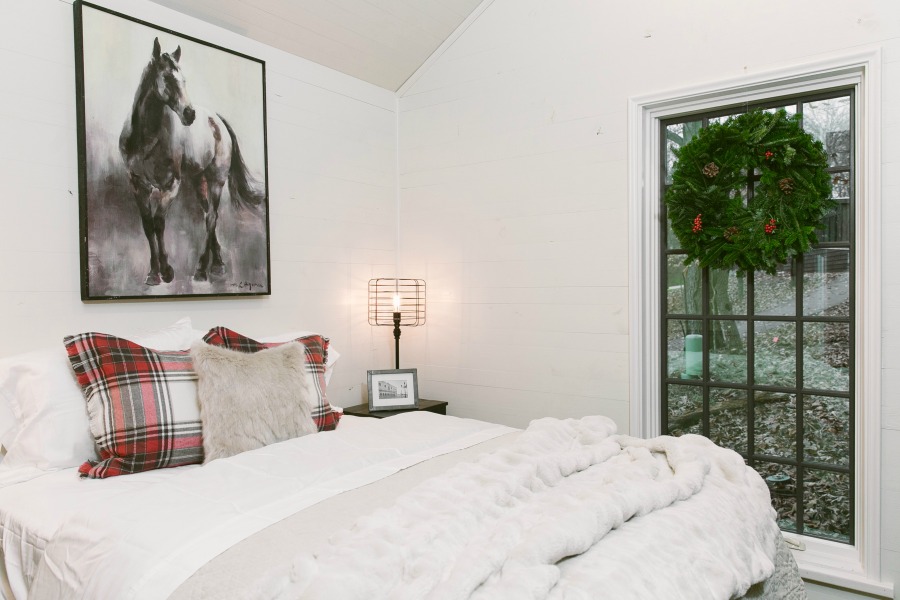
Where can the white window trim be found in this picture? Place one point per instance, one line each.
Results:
(855, 567)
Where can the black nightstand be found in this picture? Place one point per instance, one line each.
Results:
(362, 410)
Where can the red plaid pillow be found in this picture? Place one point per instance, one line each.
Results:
(142, 404)
(316, 347)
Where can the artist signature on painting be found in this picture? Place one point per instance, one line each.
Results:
(247, 286)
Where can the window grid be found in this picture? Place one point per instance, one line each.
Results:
(803, 395)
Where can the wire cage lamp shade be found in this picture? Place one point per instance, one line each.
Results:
(398, 303)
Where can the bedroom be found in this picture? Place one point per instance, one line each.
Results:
(502, 173)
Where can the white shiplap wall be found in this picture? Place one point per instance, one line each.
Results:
(513, 192)
(331, 144)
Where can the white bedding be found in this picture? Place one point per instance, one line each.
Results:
(206, 508)
(563, 510)
(566, 511)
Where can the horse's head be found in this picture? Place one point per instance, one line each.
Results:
(169, 84)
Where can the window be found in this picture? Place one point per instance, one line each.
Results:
(855, 564)
(763, 364)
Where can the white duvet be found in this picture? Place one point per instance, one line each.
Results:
(569, 510)
(699, 525)
(140, 536)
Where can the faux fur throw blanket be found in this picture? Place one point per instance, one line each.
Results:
(570, 510)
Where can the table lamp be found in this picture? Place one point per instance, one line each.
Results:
(397, 302)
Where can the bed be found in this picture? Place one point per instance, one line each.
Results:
(415, 506)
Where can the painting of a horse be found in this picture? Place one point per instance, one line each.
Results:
(172, 162)
(167, 140)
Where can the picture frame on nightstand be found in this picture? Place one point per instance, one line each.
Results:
(393, 389)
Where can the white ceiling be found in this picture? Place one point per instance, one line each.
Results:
(379, 41)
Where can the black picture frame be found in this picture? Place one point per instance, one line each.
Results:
(172, 147)
(393, 389)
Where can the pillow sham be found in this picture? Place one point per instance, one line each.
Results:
(316, 348)
(52, 429)
(331, 356)
(248, 401)
(142, 404)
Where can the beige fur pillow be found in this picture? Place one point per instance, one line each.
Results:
(248, 401)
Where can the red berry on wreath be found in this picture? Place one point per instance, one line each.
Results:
(769, 154)
(770, 227)
(698, 223)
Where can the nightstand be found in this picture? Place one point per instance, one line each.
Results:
(362, 410)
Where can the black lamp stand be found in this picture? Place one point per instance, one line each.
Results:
(397, 339)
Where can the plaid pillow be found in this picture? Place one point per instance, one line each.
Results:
(142, 404)
(316, 347)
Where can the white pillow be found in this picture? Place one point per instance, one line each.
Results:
(333, 354)
(41, 391)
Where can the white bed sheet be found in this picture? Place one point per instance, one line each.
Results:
(308, 470)
(32, 511)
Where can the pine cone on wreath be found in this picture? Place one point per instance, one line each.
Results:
(786, 185)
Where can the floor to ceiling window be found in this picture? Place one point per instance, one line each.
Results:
(763, 364)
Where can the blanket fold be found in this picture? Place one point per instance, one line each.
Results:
(551, 517)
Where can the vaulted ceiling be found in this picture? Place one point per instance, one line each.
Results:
(379, 41)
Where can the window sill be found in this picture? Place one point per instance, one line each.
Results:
(837, 565)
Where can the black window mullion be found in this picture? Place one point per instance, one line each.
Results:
(751, 368)
(705, 329)
(662, 363)
(800, 399)
(852, 316)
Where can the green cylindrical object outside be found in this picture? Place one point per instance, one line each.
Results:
(693, 355)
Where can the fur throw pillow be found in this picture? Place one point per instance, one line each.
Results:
(248, 401)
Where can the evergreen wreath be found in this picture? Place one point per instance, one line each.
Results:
(792, 195)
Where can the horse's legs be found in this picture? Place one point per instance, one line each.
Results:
(141, 194)
(147, 223)
(153, 211)
(166, 272)
(159, 209)
(210, 262)
(217, 265)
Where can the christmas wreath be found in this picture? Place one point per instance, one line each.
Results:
(710, 216)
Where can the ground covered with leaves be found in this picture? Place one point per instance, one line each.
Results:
(777, 431)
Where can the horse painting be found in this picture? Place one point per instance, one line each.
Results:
(169, 146)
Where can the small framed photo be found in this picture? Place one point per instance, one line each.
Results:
(393, 389)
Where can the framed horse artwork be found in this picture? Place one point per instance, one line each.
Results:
(172, 163)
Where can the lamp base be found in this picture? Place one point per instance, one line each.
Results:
(396, 340)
